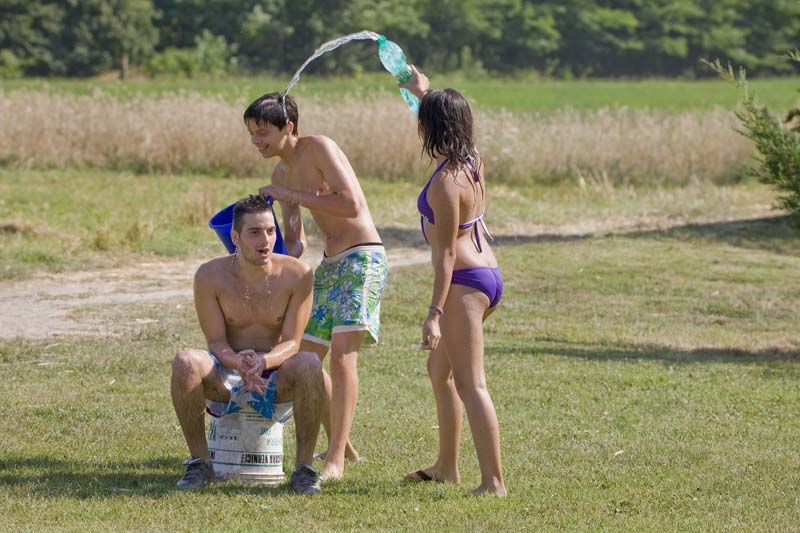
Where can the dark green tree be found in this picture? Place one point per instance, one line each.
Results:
(29, 31)
(666, 28)
(100, 35)
(562, 37)
(264, 36)
(528, 39)
(778, 145)
(596, 35)
(183, 20)
(772, 28)
(130, 35)
(456, 28)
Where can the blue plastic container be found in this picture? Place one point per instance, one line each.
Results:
(222, 223)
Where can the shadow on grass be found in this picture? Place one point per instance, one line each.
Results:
(780, 234)
(774, 234)
(393, 236)
(668, 354)
(44, 476)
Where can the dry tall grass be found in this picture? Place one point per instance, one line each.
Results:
(193, 133)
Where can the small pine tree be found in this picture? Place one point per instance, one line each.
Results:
(793, 116)
(778, 145)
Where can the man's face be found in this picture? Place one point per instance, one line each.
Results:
(267, 137)
(257, 237)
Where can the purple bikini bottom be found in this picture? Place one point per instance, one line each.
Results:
(485, 279)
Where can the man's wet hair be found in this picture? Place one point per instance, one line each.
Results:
(252, 204)
(275, 109)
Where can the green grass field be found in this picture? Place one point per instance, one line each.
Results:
(642, 382)
(644, 363)
(485, 93)
(60, 220)
(645, 380)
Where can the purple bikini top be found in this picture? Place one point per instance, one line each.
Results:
(426, 212)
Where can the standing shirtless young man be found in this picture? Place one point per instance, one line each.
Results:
(314, 173)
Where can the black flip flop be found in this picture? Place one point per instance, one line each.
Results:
(422, 475)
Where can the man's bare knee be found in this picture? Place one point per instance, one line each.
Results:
(185, 363)
(302, 371)
(341, 362)
(304, 364)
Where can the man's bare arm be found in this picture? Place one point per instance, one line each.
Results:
(342, 201)
(294, 236)
(212, 321)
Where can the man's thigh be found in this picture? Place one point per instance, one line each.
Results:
(346, 342)
(321, 350)
(213, 388)
(300, 368)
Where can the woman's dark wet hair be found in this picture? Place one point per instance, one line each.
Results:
(251, 204)
(269, 109)
(445, 126)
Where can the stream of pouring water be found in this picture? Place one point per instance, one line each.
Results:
(324, 49)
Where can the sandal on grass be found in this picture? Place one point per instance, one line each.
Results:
(419, 476)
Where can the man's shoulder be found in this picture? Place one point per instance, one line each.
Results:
(212, 270)
(292, 267)
(321, 143)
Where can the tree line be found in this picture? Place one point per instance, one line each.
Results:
(560, 38)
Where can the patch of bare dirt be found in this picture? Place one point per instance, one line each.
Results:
(60, 304)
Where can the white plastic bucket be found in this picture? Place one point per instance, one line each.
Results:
(247, 447)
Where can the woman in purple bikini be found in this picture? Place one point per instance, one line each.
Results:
(467, 285)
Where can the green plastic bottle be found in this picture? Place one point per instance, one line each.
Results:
(394, 60)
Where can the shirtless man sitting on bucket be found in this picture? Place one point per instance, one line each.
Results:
(252, 307)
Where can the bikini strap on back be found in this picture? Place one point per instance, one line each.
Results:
(440, 167)
(475, 175)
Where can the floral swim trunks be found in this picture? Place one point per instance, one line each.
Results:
(347, 294)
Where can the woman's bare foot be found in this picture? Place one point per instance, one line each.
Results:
(434, 473)
(493, 488)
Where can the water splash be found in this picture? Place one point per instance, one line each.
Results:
(324, 49)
